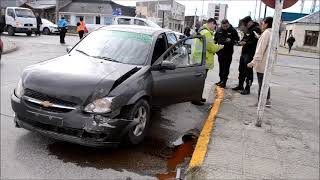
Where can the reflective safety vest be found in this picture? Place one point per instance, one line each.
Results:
(81, 27)
(211, 47)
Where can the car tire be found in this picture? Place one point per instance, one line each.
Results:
(140, 113)
(10, 31)
(46, 31)
(29, 33)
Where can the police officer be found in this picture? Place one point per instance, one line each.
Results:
(211, 48)
(63, 27)
(249, 43)
(227, 36)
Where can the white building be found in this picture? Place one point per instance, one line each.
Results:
(306, 32)
(217, 11)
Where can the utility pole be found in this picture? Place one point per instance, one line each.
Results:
(195, 19)
(301, 6)
(255, 10)
(260, 6)
(271, 58)
(265, 11)
(202, 11)
(57, 11)
(313, 6)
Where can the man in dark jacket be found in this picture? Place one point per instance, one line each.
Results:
(290, 42)
(39, 22)
(226, 35)
(249, 42)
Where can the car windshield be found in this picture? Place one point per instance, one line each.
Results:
(24, 13)
(118, 46)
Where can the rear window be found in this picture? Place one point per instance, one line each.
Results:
(124, 21)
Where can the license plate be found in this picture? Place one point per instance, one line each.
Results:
(46, 119)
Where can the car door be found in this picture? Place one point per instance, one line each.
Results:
(185, 82)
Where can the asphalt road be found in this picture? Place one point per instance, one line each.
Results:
(29, 155)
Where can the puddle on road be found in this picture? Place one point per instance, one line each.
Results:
(153, 157)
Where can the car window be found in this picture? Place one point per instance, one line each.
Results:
(124, 21)
(159, 48)
(10, 12)
(119, 46)
(140, 23)
(172, 39)
(186, 53)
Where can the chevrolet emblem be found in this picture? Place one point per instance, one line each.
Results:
(46, 104)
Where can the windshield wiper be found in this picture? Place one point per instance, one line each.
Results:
(82, 52)
(106, 58)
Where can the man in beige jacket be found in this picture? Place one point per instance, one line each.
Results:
(260, 57)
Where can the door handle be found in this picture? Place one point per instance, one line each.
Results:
(199, 75)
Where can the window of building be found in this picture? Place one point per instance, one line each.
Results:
(311, 38)
(89, 19)
(98, 20)
(78, 18)
(170, 25)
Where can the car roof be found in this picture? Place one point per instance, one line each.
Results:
(136, 29)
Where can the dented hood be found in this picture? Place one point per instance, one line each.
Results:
(75, 78)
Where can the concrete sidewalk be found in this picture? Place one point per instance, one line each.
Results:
(287, 144)
(284, 51)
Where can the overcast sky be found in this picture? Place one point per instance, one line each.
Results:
(237, 8)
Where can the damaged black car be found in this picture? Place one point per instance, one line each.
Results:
(100, 93)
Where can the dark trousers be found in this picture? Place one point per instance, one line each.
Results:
(260, 80)
(63, 32)
(224, 65)
(81, 33)
(290, 46)
(38, 30)
(245, 73)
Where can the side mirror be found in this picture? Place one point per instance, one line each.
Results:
(68, 49)
(167, 65)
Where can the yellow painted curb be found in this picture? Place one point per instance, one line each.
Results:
(204, 138)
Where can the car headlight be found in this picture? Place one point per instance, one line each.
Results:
(19, 89)
(99, 106)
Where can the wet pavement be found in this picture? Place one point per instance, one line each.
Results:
(39, 157)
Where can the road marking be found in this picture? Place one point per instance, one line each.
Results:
(204, 138)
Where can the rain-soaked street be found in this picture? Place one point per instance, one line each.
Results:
(29, 155)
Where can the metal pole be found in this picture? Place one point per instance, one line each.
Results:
(260, 6)
(162, 19)
(255, 10)
(202, 11)
(57, 11)
(271, 58)
(265, 11)
(195, 20)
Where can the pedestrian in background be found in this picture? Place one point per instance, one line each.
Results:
(39, 23)
(211, 48)
(260, 57)
(290, 42)
(81, 29)
(249, 43)
(226, 35)
(63, 27)
(187, 32)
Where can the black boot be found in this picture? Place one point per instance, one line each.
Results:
(219, 82)
(246, 91)
(223, 84)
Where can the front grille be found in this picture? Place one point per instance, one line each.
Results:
(51, 109)
(28, 25)
(44, 97)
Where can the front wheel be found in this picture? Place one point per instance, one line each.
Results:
(46, 31)
(29, 33)
(11, 31)
(140, 114)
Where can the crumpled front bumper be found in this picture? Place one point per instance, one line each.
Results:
(74, 126)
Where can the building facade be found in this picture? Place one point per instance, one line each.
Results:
(189, 21)
(166, 13)
(306, 32)
(217, 11)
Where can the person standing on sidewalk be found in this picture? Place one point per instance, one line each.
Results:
(39, 23)
(211, 48)
(290, 42)
(260, 56)
(63, 27)
(249, 43)
(226, 35)
(81, 29)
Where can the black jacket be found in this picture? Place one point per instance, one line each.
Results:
(221, 37)
(251, 40)
(291, 40)
(39, 21)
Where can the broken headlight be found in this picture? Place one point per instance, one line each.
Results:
(99, 106)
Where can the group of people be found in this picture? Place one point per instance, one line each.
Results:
(221, 41)
(63, 28)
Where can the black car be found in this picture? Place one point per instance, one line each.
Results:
(101, 92)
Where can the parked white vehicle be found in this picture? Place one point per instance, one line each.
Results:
(20, 20)
(48, 27)
(125, 20)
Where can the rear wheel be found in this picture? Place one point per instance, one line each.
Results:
(29, 33)
(140, 114)
(46, 31)
(11, 31)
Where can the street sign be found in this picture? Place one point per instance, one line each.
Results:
(117, 12)
(164, 7)
(286, 3)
